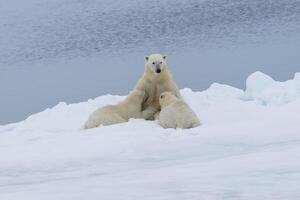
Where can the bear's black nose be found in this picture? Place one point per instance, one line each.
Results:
(158, 71)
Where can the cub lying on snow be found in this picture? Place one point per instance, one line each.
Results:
(130, 107)
(175, 113)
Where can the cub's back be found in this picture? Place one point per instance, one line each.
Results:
(178, 115)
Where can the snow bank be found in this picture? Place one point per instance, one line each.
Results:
(64, 117)
(260, 88)
(241, 145)
(263, 89)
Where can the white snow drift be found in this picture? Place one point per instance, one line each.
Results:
(265, 90)
(247, 148)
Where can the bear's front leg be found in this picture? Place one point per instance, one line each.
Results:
(149, 112)
(156, 115)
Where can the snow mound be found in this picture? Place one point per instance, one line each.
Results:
(297, 81)
(64, 117)
(263, 89)
(240, 144)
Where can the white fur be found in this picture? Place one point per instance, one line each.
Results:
(176, 113)
(130, 107)
(154, 84)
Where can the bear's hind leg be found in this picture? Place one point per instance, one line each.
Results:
(112, 119)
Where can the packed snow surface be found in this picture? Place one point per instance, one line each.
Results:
(248, 147)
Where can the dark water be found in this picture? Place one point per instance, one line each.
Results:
(53, 51)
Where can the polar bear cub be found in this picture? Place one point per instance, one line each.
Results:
(175, 113)
(130, 107)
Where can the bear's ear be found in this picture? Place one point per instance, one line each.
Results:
(164, 57)
(146, 58)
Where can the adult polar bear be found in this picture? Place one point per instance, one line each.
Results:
(155, 80)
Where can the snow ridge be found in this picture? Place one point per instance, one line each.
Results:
(263, 89)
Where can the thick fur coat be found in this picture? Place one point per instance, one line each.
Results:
(175, 113)
(130, 107)
(155, 80)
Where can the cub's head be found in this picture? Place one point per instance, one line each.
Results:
(156, 63)
(166, 98)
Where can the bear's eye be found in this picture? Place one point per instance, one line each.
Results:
(162, 96)
(153, 63)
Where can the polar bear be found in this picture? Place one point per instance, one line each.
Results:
(155, 80)
(175, 113)
(130, 107)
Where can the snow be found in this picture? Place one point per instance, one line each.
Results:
(247, 148)
(265, 90)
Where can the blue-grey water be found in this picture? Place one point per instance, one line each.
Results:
(73, 50)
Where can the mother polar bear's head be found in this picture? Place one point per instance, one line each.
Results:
(156, 63)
